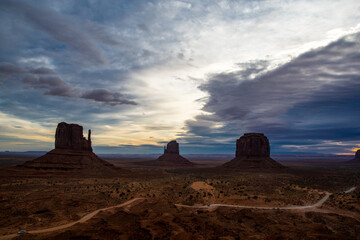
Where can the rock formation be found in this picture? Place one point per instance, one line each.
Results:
(73, 154)
(172, 148)
(356, 160)
(70, 136)
(252, 151)
(252, 145)
(170, 158)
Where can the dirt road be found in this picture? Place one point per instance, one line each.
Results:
(312, 206)
(350, 190)
(211, 206)
(81, 220)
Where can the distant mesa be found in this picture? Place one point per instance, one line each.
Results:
(356, 160)
(252, 152)
(170, 158)
(73, 154)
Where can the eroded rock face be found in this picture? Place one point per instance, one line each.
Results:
(170, 158)
(356, 160)
(252, 152)
(357, 155)
(172, 148)
(72, 155)
(252, 145)
(70, 136)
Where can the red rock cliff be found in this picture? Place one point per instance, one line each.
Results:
(70, 136)
(252, 145)
(172, 147)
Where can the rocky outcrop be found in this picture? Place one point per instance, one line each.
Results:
(72, 155)
(356, 160)
(252, 145)
(81, 162)
(70, 136)
(252, 151)
(170, 158)
(172, 148)
(357, 155)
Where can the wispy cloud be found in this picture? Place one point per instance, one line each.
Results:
(59, 27)
(105, 96)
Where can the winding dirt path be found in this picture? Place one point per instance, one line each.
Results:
(312, 206)
(81, 220)
(350, 190)
(211, 206)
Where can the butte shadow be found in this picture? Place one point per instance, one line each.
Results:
(73, 155)
(170, 158)
(252, 152)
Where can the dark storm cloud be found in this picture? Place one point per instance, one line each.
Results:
(42, 70)
(55, 86)
(314, 96)
(105, 96)
(9, 68)
(59, 27)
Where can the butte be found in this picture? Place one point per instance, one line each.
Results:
(73, 155)
(253, 152)
(356, 160)
(170, 158)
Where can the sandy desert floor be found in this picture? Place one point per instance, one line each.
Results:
(151, 199)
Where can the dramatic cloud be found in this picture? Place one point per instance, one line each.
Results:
(42, 70)
(56, 86)
(9, 68)
(142, 72)
(105, 96)
(293, 101)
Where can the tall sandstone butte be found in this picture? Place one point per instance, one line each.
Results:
(170, 158)
(356, 160)
(73, 153)
(252, 145)
(252, 151)
(172, 148)
(70, 136)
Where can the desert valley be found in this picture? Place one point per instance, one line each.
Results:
(179, 120)
(70, 193)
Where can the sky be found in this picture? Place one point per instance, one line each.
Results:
(142, 73)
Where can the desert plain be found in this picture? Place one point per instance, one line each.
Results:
(175, 202)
